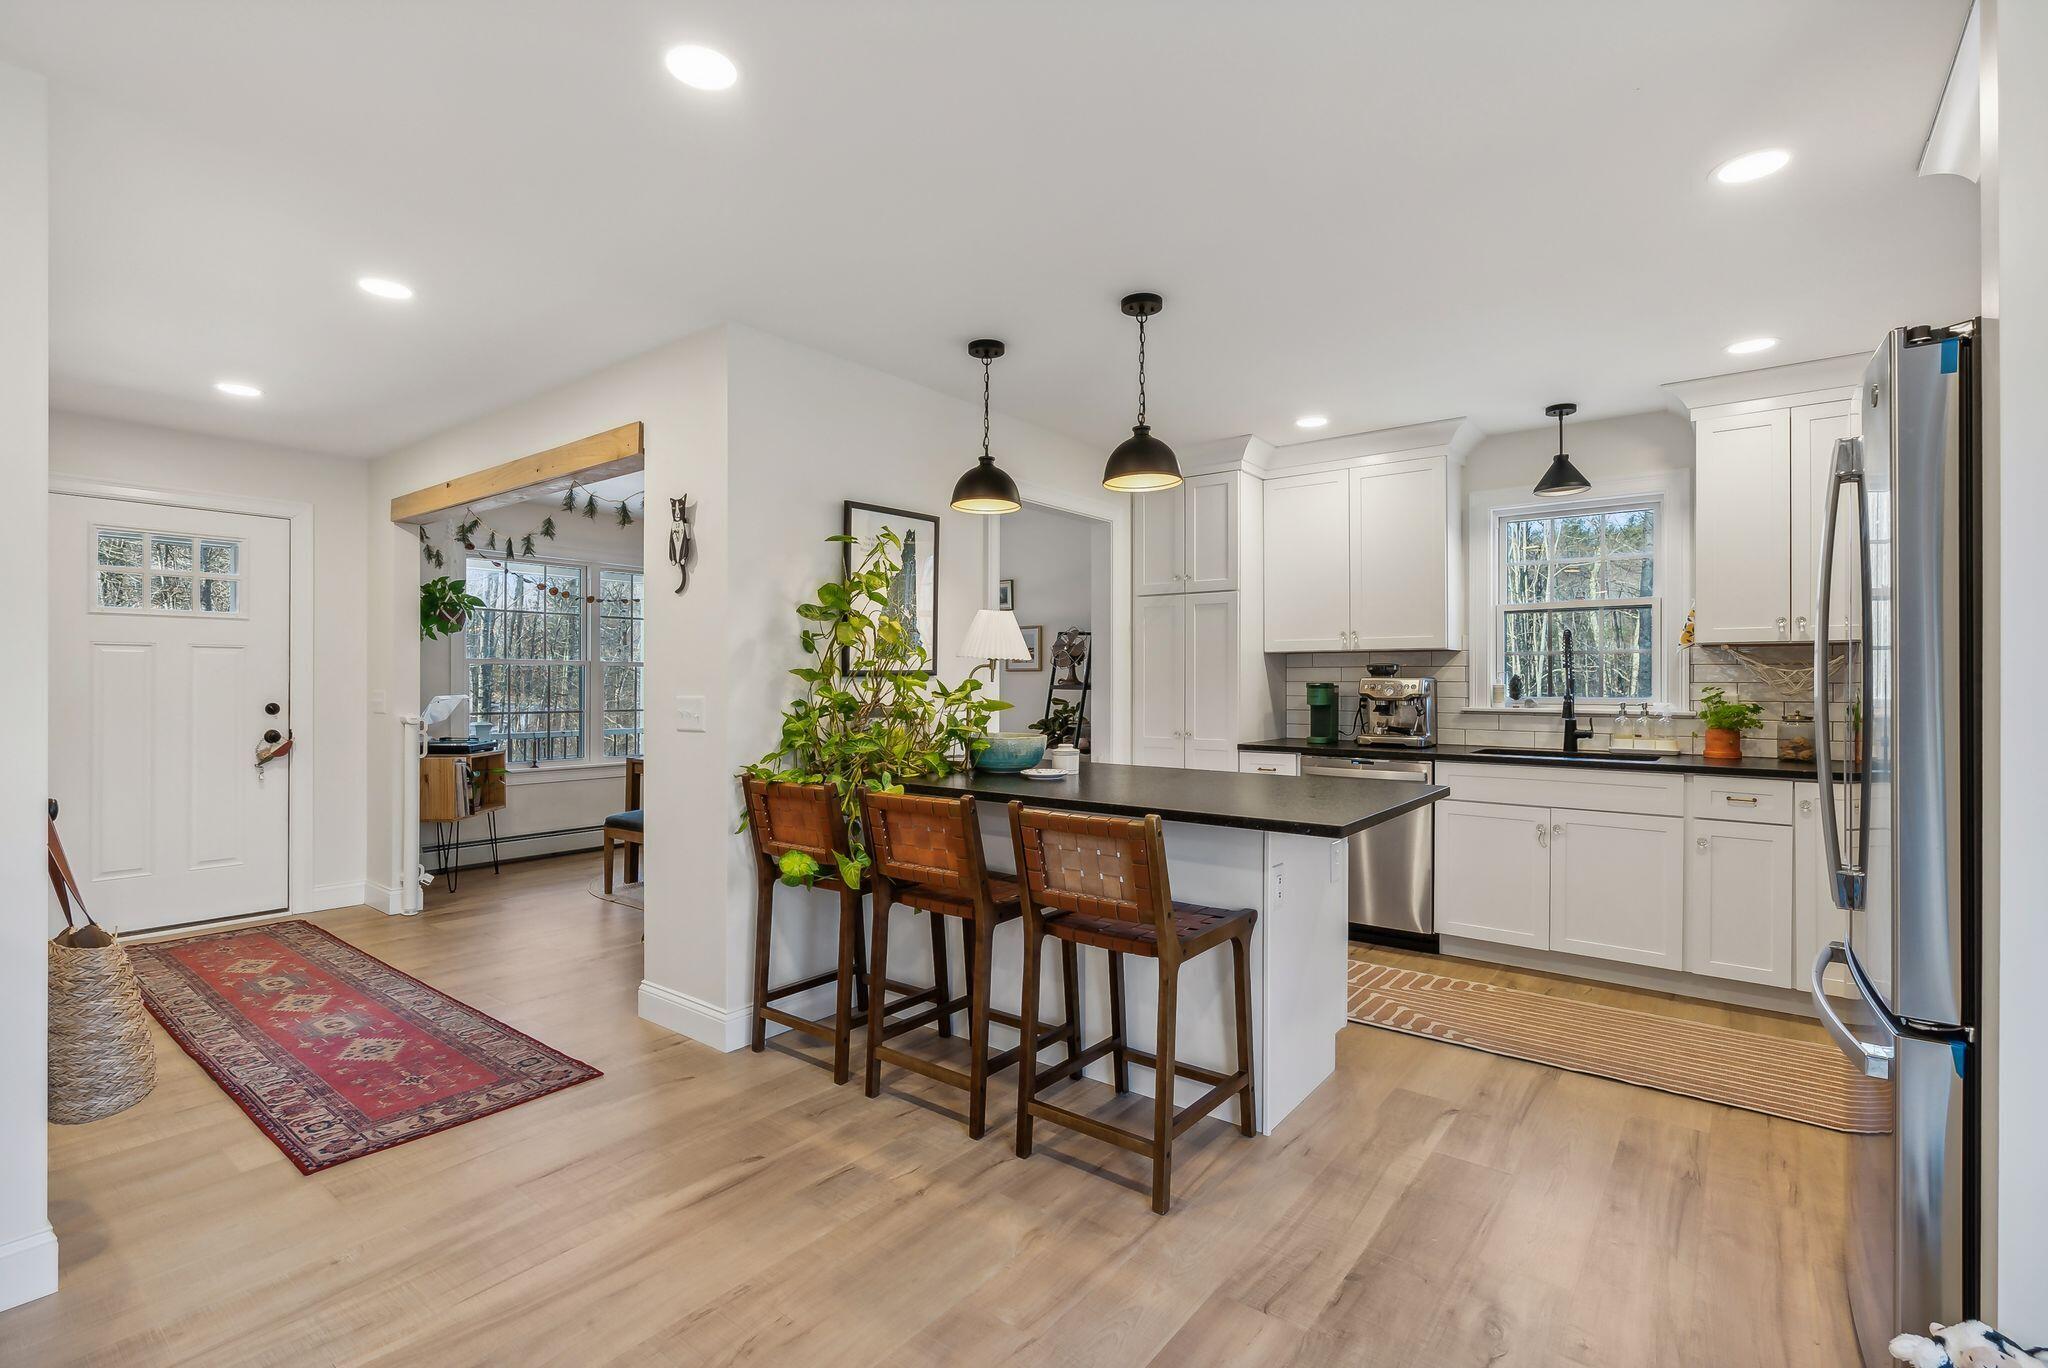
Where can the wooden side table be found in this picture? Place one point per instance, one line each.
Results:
(453, 787)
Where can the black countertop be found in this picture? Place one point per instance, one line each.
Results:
(1749, 766)
(1310, 806)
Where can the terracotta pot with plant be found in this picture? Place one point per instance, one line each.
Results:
(1726, 719)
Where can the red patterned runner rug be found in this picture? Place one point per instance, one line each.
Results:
(1795, 1079)
(332, 1052)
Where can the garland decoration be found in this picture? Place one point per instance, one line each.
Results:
(522, 543)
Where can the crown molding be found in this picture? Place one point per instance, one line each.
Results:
(1688, 397)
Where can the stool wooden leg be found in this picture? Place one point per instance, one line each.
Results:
(1070, 986)
(1162, 1088)
(842, 1012)
(1247, 1110)
(764, 912)
(939, 974)
(1027, 1011)
(878, 977)
(607, 862)
(860, 962)
(982, 932)
(1120, 1056)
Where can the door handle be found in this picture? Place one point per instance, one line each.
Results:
(273, 736)
(1845, 881)
(1741, 799)
(1875, 1061)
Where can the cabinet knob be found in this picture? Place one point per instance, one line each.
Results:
(1802, 622)
(1806, 807)
(1542, 834)
(1781, 627)
(1558, 830)
(1702, 843)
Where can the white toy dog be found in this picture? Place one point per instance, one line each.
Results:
(1967, 1344)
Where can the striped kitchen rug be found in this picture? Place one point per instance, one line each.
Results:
(1798, 1080)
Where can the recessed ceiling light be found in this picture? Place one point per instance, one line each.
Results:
(384, 289)
(1752, 166)
(700, 67)
(1751, 344)
(238, 388)
(1312, 420)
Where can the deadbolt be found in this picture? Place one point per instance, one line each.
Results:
(273, 736)
(272, 709)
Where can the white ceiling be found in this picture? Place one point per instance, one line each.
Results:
(1382, 210)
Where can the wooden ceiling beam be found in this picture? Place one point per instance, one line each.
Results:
(600, 456)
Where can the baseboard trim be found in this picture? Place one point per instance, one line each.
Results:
(1762, 997)
(722, 1028)
(381, 897)
(28, 1268)
(327, 897)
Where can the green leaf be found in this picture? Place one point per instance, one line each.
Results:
(798, 869)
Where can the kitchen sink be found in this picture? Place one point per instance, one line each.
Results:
(1522, 753)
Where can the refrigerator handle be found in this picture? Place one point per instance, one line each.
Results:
(1874, 1061)
(1844, 880)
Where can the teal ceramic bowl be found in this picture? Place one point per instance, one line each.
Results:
(1012, 751)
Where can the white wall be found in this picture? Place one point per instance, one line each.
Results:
(1051, 557)
(28, 1248)
(1604, 449)
(2014, 225)
(328, 730)
(562, 798)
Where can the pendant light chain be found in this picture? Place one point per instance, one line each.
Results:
(1141, 368)
(986, 362)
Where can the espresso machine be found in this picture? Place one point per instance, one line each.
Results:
(1396, 712)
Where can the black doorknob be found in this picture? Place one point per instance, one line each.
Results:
(273, 736)
(272, 708)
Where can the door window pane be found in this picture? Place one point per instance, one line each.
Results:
(120, 548)
(120, 590)
(170, 593)
(170, 553)
(217, 595)
(219, 558)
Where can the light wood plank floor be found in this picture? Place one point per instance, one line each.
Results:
(1428, 1205)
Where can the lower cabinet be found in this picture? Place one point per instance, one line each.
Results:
(1268, 762)
(1738, 902)
(1688, 894)
(1493, 872)
(1617, 887)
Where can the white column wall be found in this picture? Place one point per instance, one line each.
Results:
(28, 1248)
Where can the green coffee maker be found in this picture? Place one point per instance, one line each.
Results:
(1322, 714)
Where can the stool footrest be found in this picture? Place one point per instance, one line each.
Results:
(1067, 1068)
(930, 1068)
(1088, 1125)
(1207, 1102)
(1194, 1072)
(804, 985)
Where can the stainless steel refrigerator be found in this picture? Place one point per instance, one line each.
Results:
(1902, 824)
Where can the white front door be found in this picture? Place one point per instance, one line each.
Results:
(169, 643)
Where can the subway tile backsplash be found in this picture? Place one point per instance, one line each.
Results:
(1711, 666)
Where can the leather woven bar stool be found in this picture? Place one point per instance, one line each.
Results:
(806, 818)
(1102, 881)
(927, 856)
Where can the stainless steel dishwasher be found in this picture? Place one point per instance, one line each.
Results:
(1393, 865)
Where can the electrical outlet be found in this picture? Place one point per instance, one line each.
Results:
(690, 712)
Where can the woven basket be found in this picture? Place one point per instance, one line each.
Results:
(102, 1059)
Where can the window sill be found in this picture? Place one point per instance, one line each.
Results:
(1585, 709)
(564, 772)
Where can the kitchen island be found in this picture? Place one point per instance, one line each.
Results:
(1278, 845)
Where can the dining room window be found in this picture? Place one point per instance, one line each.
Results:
(528, 656)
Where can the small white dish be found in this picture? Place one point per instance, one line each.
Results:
(1045, 772)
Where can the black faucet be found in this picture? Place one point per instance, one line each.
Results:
(1573, 732)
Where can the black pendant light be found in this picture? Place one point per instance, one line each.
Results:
(985, 488)
(1563, 477)
(1143, 462)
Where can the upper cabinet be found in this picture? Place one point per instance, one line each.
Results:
(1763, 478)
(1368, 556)
(1186, 540)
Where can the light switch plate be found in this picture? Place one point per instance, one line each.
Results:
(377, 703)
(690, 712)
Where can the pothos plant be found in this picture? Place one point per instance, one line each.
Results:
(872, 712)
(445, 604)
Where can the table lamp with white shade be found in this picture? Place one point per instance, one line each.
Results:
(994, 635)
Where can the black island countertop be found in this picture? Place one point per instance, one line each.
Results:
(1309, 806)
(1749, 766)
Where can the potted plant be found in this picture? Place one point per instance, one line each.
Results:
(1059, 722)
(872, 713)
(445, 604)
(1726, 719)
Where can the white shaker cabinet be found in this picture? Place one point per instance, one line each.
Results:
(1308, 562)
(1815, 430)
(1185, 540)
(1738, 902)
(1366, 558)
(1742, 527)
(1184, 692)
(1406, 593)
(1617, 887)
(1493, 879)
